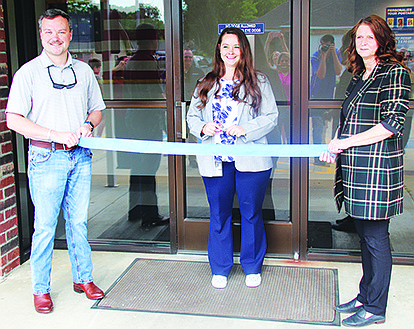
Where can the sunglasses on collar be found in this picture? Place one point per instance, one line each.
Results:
(59, 85)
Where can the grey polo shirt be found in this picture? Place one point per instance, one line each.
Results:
(33, 96)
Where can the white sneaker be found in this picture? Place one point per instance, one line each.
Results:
(253, 280)
(219, 281)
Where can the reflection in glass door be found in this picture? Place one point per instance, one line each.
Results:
(328, 230)
(124, 43)
(272, 56)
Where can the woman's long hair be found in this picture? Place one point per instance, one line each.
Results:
(244, 73)
(386, 52)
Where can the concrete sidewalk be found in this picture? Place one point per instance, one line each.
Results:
(72, 310)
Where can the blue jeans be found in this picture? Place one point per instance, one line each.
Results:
(59, 179)
(250, 188)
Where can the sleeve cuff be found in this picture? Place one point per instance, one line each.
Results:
(387, 126)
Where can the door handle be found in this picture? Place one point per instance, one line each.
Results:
(183, 120)
(183, 133)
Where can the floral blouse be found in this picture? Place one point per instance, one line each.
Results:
(225, 113)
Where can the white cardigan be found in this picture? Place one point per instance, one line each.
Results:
(256, 129)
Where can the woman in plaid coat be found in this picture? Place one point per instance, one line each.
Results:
(368, 152)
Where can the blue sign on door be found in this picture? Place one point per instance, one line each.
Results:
(247, 28)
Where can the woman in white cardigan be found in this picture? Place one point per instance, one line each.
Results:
(234, 104)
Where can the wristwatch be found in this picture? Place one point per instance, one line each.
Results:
(91, 124)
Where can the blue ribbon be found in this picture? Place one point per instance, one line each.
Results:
(154, 147)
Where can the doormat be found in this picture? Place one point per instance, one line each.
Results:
(319, 235)
(164, 235)
(123, 229)
(287, 293)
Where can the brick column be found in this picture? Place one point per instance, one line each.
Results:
(9, 239)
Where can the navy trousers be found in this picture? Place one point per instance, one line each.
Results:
(376, 264)
(250, 188)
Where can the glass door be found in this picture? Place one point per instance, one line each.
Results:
(124, 42)
(268, 27)
(329, 24)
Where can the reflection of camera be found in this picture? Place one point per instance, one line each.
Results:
(325, 48)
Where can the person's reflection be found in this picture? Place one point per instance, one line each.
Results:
(344, 80)
(142, 81)
(273, 59)
(115, 43)
(191, 74)
(261, 64)
(346, 76)
(283, 68)
(96, 66)
(275, 136)
(280, 80)
(326, 66)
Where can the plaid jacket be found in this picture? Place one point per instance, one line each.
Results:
(370, 178)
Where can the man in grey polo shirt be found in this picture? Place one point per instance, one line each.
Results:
(53, 101)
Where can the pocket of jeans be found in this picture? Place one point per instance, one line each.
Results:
(39, 155)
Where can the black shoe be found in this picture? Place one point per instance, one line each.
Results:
(339, 221)
(347, 225)
(348, 307)
(358, 319)
(159, 221)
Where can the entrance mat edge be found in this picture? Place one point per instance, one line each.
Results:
(144, 278)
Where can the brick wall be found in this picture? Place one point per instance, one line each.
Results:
(9, 239)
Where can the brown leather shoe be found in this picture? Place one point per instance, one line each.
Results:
(43, 303)
(90, 289)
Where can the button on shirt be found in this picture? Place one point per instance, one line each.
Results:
(32, 94)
